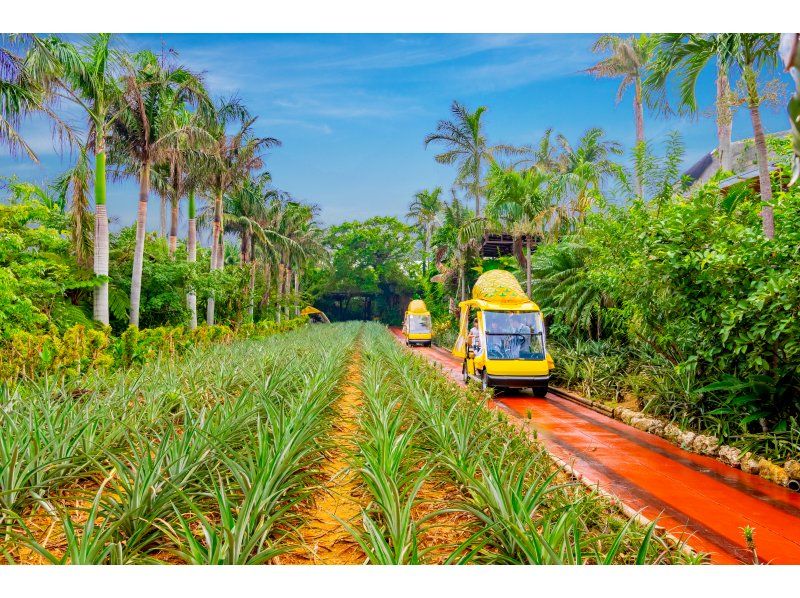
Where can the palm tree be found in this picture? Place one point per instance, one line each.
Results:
(542, 156)
(423, 211)
(232, 158)
(521, 201)
(672, 55)
(72, 188)
(21, 95)
(248, 213)
(745, 53)
(562, 279)
(465, 145)
(154, 94)
(191, 161)
(191, 253)
(584, 169)
(85, 74)
(306, 240)
(627, 60)
(296, 222)
(277, 217)
(454, 244)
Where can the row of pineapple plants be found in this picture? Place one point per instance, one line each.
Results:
(519, 508)
(198, 459)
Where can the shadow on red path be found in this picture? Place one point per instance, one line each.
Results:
(692, 496)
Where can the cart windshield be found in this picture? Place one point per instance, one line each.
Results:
(419, 324)
(514, 335)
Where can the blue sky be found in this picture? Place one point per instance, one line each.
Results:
(352, 110)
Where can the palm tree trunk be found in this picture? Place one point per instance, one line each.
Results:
(764, 183)
(638, 113)
(528, 265)
(296, 293)
(221, 241)
(278, 292)
(477, 186)
(267, 283)
(251, 306)
(724, 119)
(216, 241)
(138, 252)
(426, 245)
(173, 227)
(244, 251)
(163, 217)
(288, 289)
(191, 250)
(100, 232)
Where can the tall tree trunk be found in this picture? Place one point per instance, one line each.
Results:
(163, 216)
(221, 241)
(278, 292)
(477, 186)
(764, 183)
(267, 283)
(528, 265)
(724, 119)
(425, 249)
(251, 306)
(288, 289)
(638, 113)
(138, 252)
(191, 250)
(216, 241)
(173, 227)
(296, 293)
(100, 231)
(245, 248)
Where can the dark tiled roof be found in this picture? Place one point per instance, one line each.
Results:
(699, 168)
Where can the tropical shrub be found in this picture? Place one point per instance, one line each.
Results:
(39, 278)
(703, 308)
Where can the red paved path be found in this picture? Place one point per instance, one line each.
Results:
(691, 495)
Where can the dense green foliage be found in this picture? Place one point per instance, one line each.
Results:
(44, 286)
(372, 270)
(696, 309)
(40, 282)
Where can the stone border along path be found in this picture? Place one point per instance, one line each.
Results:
(696, 498)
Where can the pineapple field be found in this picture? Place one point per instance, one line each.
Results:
(323, 445)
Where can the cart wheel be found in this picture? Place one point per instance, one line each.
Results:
(485, 380)
(541, 390)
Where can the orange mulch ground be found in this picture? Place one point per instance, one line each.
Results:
(444, 532)
(48, 530)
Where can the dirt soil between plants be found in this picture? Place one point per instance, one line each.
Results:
(325, 540)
